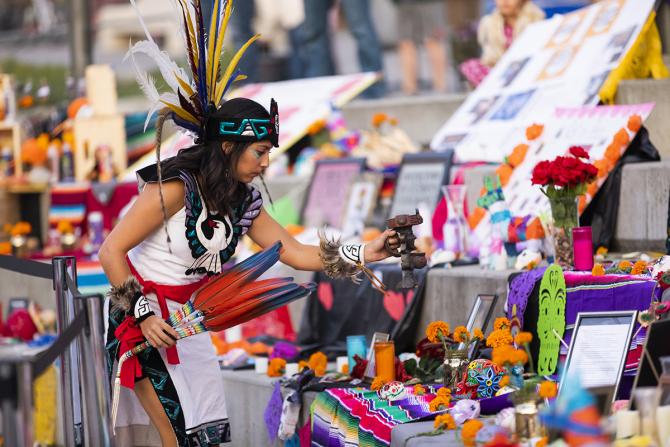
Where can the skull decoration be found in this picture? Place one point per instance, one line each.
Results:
(482, 378)
(551, 321)
(465, 409)
(392, 391)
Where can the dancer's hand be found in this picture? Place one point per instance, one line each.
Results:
(376, 251)
(158, 332)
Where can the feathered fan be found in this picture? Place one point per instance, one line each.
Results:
(231, 298)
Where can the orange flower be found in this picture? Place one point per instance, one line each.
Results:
(419, 390)
(548, 389)
(7, 228)
(501, 323)
(602, 251)
(444, 392)
(26, 101)
(501, 355)
(499, 337)
(5, 248)
(461, 334)
(634, 123)
(439, 403)
(612, 153)
(639, 268)
(534, 230)
(345, 368)
(478, 334)
(437, 329)
(592, 189)
(320, 371)
(302, 365)
(378, 119)
(582, 204)
(316, 127)
(519, 357)
(598, 270)
(475, 217)
(65, 227)
(625, 266)
(542, 442)
(504, 172)
(318, 360)
(621, 138)
(523, 338)
(377, 383)
(517, 156)
(276, 367)
(602, 166)
(504, 381)
(533, 132)
(469, 432)
(445, 422)
(21, 229)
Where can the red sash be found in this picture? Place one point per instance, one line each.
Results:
(129, 334)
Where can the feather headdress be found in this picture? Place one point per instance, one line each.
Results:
(191, 98)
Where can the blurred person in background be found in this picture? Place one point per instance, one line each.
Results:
(315, 39)
(422, 21)
(496, 33)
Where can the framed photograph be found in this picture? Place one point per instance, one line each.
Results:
(649, 370)
(360, 203)
(327, 195)
(480, 317)
(420, 181)
(598, 350)
(376, 338)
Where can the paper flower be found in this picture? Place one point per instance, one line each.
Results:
(598, 270)
(469, 432)
(548, 389)
(621, 138)
(634, 123)
(533, 132)
(523, 338)
(445, 422)
(437, 329)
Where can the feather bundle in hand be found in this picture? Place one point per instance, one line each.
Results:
(231, 298)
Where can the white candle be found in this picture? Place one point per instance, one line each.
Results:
(340, 362)
(291, 369)
(627, 423)
(663, 425)
(261, 365)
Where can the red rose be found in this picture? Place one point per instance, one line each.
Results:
(579, 152)
(541, 173)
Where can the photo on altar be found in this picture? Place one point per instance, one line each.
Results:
(513, 105)
(559, 62)
(512, 71)
(482, 107)
(618, 44)
(593, 87)
(567, 29)
(606, 16)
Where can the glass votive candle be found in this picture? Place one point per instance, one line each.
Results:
(385, 361)
(582, 244)
(356, 345)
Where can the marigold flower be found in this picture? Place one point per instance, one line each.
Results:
(316, 127)
(523, 338)
(504, 172)
(504, 381)
(444, 392)
(598, 270)
(517, 156)
(621, 138)
(501, 355)
(419, 390)
(318, 360)
(5, 248)
(499, 337)
(602, 251)
(276, 367)
(439, 403)
(533, 132)
(302, 365)
(445, 422)
(542, 442)
(345, 368)
(639, 268)
(461, 334)
(548, 389)
(469, 432)
(625, 266)
(377, 383)
(634, 123)
(501, 323)
(437, 329)
(378, 119)
(65, 227)
(478, 334)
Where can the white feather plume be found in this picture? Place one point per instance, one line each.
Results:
(168, 68)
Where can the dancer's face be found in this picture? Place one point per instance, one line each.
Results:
(509, 8)
(254, 161)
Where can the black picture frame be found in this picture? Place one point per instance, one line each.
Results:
(605, 394)
(655, 346)
(431, 197)
(324, 203)
(480, 317)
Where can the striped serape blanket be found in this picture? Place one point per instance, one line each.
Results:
(359, 417)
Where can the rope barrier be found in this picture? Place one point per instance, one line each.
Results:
(26, 267)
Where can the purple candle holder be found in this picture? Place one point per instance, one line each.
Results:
(582, 243)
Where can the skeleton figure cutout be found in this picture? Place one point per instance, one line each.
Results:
(551, 322)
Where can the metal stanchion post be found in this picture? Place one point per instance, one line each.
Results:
(24, 422)
(95, 386)
(8, 408)
(63, 266)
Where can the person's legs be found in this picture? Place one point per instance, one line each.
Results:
(242, 30)
(437, 56)
(359, 19)
(408, 63)
(149, 400)
(314, 39)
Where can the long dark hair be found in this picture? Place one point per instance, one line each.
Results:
(214, 170)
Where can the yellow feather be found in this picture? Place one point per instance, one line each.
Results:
(231, 67)
(191, 32)
(219, 43)
(210, 46)
(181, 113)
(187, 88)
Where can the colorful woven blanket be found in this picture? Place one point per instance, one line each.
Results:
(359, 417)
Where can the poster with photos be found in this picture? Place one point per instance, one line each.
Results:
(560, 62)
